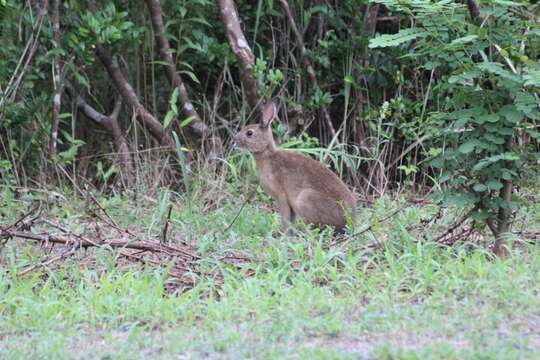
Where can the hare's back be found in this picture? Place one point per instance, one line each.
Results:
(299, 172)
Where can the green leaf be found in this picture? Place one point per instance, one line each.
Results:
(494, 185)
(480, 187)
(183, 163)
(468, 147)
(506, 131)
(349, 79)
(464, 116)
(494, 139)
(70, 154)
(531, 76)
(480, 215)
(438, 162)
(174, 96)
(511, 113)
(168, 119)
(463, 40)
(397, 39)
(460, 200)
(508, 156)
(526, 103)
(491, 118)
(533, 133)
(506, 175)
(465, 78)
(498, 69)
(187, 121)
(191, 75)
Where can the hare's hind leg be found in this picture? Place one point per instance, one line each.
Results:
(319, 209)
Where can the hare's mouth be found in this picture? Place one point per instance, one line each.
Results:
(237, 144)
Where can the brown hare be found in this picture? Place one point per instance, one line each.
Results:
(300, 185)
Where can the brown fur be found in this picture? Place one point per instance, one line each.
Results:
(300, 185)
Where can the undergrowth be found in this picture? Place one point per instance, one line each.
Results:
(388, 293)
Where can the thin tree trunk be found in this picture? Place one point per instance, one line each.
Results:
(504, 221)
(156, 15)
(370, 20)
(57, 69)
(25, 62)
(504, 217)
(241, 49)
(502, 228)
(309, 68)
(474, 10)
(109, 123)
(125, 89)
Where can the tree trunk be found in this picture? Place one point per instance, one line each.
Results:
(241, 49)
(504, 217)
(504, 221)
(57, 70)
(156, 15)
(474, 10)
(370, 20)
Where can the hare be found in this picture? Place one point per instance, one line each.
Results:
(300, 185)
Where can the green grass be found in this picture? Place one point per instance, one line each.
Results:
(409, 299)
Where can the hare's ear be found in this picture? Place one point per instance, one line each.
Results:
(269, 113)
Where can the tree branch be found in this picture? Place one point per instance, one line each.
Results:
(241, 49)
(110, 123)
(130, 98)
(309, 68)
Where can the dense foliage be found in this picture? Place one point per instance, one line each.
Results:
(393, 94)
(484, 83)
(130, 228)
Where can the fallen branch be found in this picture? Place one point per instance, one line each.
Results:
(454, 226)
(366, 229)
(48, 261)
(184, 263)
(68, 240)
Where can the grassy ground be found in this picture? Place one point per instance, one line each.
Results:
(405, 299)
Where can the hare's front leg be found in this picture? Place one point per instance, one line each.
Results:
(285, 212)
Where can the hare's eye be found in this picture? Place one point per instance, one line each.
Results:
(249, 133)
